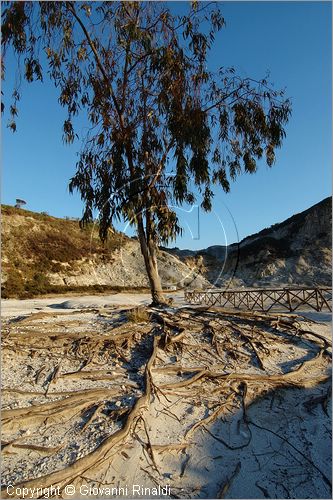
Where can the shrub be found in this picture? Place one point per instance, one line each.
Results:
(38, 284)
(138, 315)
(14, 286)
(56, 267)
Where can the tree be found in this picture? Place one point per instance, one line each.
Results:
(163, 127)
(20, 203)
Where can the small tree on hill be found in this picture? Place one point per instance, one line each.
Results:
(163, 127)
(20, 203)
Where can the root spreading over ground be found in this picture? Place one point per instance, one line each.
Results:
(208, 402)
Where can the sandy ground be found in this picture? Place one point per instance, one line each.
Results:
(15, 307)
(11, 308)
(210, 437)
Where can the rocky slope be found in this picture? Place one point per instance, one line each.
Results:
(296, 251)
(43, 254)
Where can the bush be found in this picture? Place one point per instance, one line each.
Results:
(14, 286)
(39, 284)
(279, 248)
(56, 267)
(138, 315)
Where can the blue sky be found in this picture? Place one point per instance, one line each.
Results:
(290, 39)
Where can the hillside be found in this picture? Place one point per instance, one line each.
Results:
(295, 251)
(44, 254)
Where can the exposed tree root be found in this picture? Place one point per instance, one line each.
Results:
(85, 392)
(33, 415)
(229, 446)
(93, 375)
(254, 349)
(207, 357)
(85, 463)
(291, 377)
(223, 408)
(226, 486)
(7, 447)
(160, 448)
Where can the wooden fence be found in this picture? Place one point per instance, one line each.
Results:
(264, 299)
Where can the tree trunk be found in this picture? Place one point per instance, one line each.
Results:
(149, 251)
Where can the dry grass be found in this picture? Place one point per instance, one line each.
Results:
(138, 315)
(34, 245)
(197, 263)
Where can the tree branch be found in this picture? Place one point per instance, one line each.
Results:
(98, 61)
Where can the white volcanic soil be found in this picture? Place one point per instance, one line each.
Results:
(236, 426)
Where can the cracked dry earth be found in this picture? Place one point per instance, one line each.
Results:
(212, 404)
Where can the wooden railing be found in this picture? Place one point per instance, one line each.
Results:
(264, 299)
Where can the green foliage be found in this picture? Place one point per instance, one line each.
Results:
(55, 245)
(278, 248)
(163, 127)
(38, 285)
(152, 102)
(56, 267)
(35, 245)
(10, 210)
(14, 285)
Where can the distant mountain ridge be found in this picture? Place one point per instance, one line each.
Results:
(297, 250)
